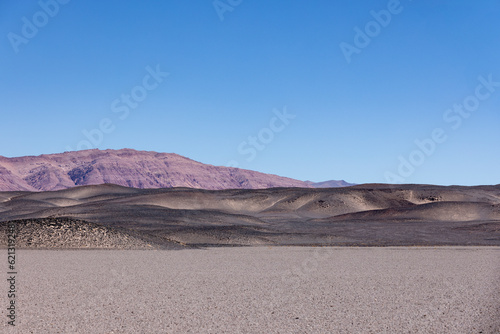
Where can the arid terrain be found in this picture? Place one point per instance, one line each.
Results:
(259, 290)
(131, 168)
(111, 216)
(80, 242)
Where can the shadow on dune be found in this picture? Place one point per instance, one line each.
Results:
(372, 215)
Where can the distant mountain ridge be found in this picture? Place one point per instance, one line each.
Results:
(330, 184)
(130, 168)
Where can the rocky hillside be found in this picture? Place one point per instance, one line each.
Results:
(129, 168)
(66, 233)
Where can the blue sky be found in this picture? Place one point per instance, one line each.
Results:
(262, 85)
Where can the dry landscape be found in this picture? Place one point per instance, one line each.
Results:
(111, 216)
(260, 290)
(167, 256)
(132, 168)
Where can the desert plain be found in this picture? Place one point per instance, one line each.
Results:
(259, 290)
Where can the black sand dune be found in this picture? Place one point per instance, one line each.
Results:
(371, 215)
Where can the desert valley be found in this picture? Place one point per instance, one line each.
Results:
(130, 241)
(69, 201)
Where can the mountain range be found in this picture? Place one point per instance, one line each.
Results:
(132, 168)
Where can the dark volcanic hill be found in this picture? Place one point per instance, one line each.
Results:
(129, 168)
(110, 216)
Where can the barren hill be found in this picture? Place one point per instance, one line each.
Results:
(129, 168)
(370, 214)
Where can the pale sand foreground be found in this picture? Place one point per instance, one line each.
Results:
(259, 290)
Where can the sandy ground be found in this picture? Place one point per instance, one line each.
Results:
(258, 290)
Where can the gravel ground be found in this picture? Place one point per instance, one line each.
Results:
(258, 290)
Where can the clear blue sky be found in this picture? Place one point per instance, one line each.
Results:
(71, 67)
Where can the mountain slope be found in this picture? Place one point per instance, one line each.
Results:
(130, 168)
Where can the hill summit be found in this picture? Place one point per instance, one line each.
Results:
(130, 168)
